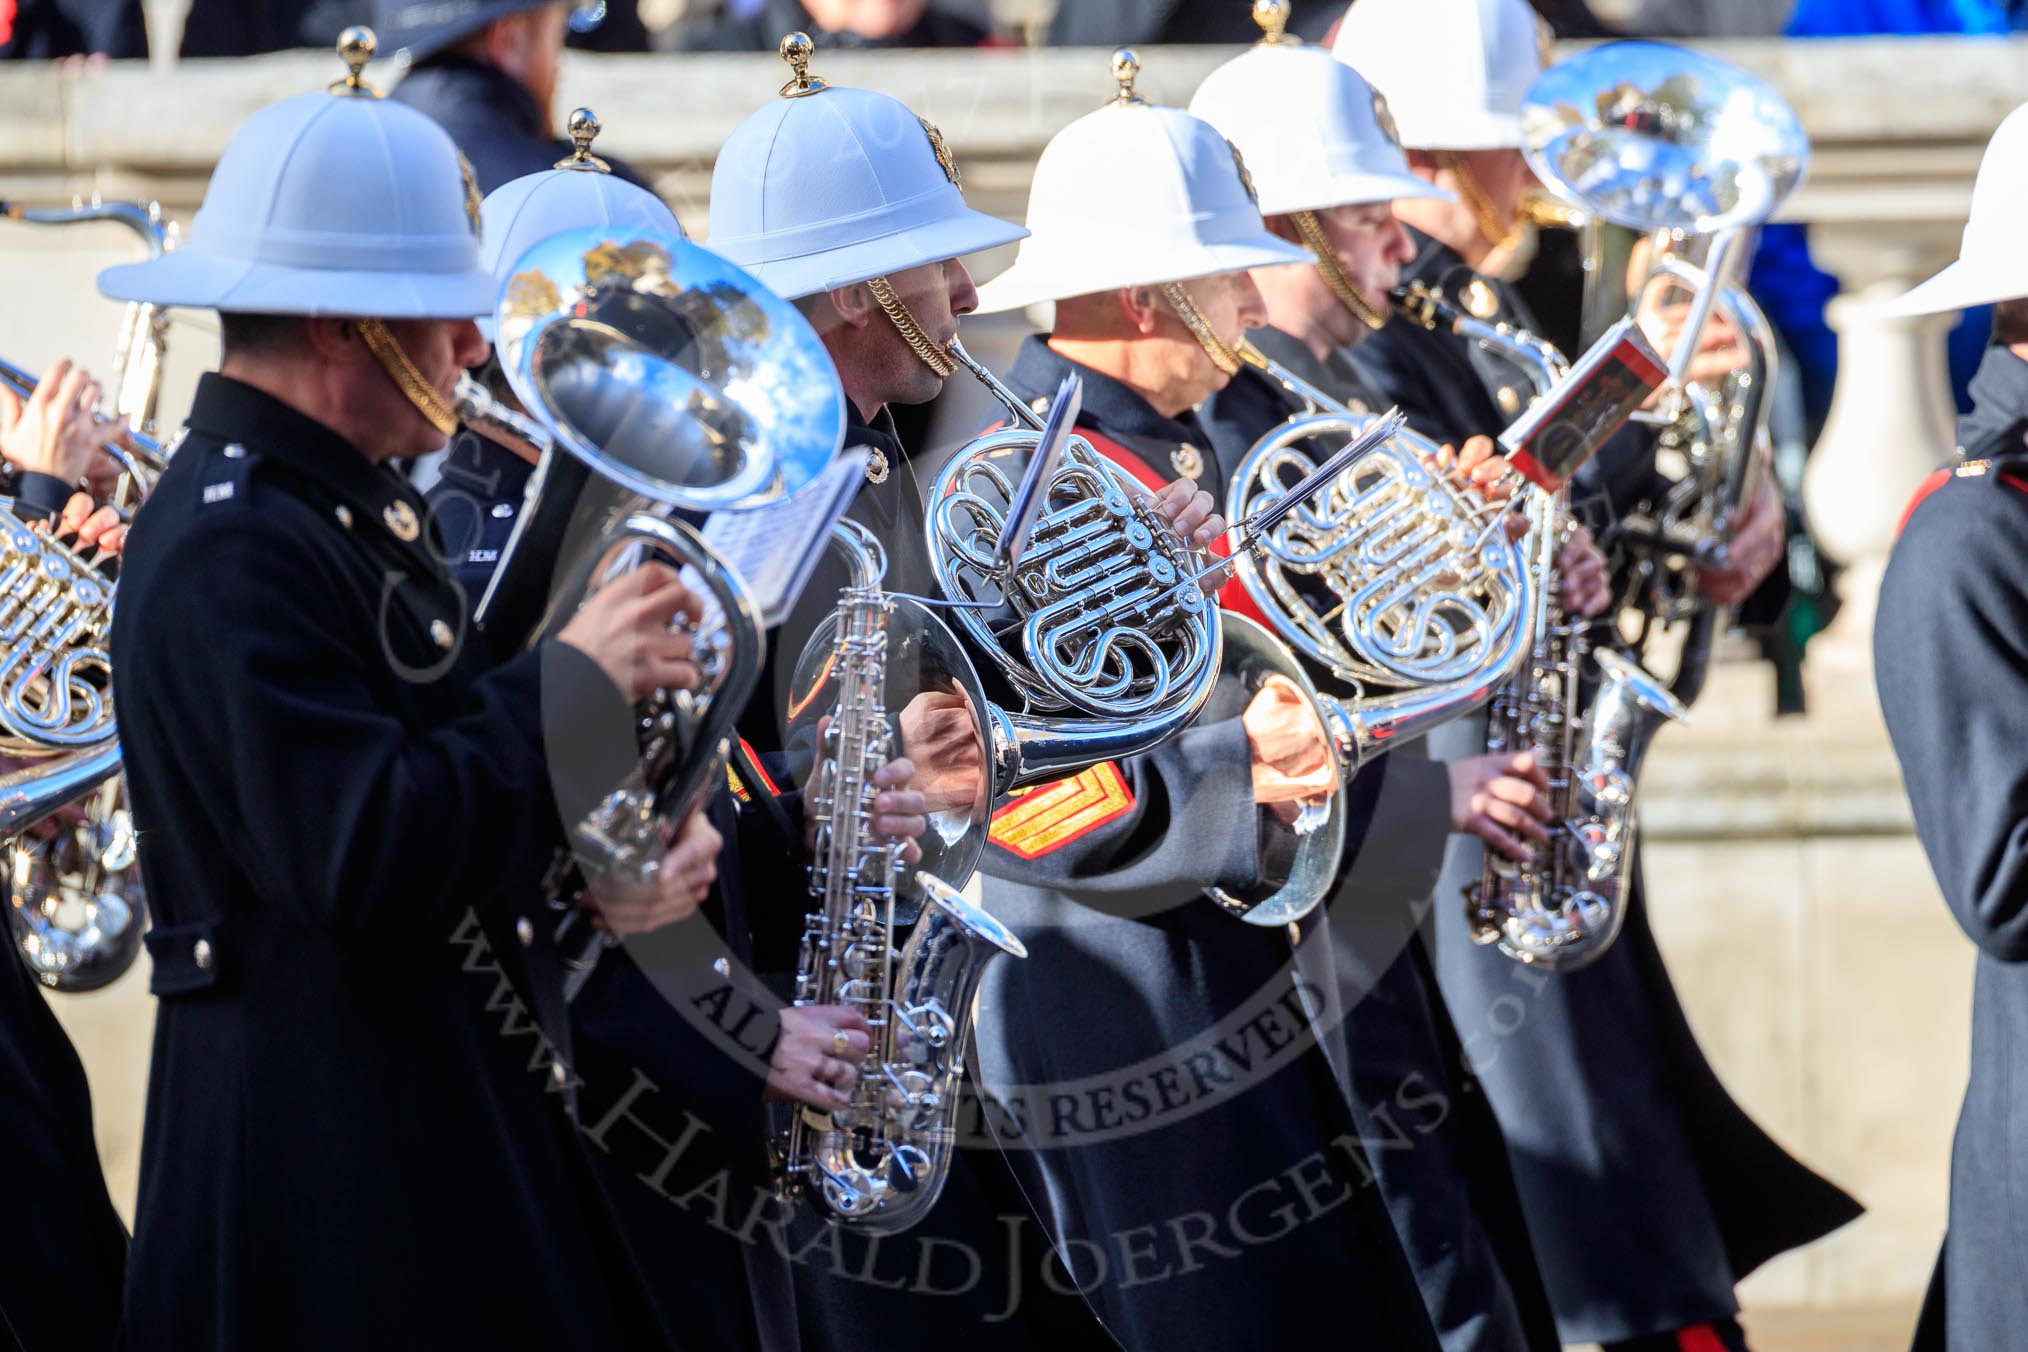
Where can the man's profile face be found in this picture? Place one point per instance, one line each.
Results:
(936, 294)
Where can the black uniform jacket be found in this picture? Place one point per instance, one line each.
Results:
(356, 1129)
(1649, 1184)
(1950, 652)
(1167, 1080)
(1434, 1142)
(493, 118)
(63, 1289)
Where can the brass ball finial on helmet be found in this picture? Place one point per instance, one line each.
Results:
(1127, 69)
(1273, 18)
(797, 49)
(584, 129)
(356, 46)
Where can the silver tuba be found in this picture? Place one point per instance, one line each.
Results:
(879, 1164)
(1696, 154)
(681, 384)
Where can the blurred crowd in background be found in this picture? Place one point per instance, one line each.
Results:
(44, 29)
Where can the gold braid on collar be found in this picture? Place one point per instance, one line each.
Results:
(1221, 354)
(387, 350)
(932, 356)
(1333, 272)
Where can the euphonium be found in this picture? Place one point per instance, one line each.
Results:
(1564, 913)
(681, 384)
(1684, 148)
(879, 1163)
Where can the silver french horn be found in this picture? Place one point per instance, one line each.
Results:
(76, 909)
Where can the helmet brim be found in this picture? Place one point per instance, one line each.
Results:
(954, 236)
(191, 277)
(1962, 286)
(1033, 280)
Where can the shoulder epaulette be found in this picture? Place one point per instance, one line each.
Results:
(228, 476)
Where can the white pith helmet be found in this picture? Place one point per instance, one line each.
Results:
(828, 186)
(1454, 71)
(339, 203)
(1176, 204)
(579, 193)
(1990, 266)
(1313, 131)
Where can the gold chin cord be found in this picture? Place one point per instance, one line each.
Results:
(387, 350)
(932, 356)
(1501, 234)
(1221, 353)
(1333, 272)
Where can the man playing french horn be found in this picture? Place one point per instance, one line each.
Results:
(1630, 1157)
(65, 1290)
(1164, 1163)
(1329, 188)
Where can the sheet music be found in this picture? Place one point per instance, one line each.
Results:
(775, 549)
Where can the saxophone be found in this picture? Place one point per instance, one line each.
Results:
(879, 1163)
(1564, 911)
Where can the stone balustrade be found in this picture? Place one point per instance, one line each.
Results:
(1821, 971)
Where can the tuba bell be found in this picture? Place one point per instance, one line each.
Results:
(680, 384)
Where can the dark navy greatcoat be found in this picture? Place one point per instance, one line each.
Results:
(1648, 1191)
(1168, 1081)
(496, 122)
(1443, 1170)
(1950, 652)
(358, 1128)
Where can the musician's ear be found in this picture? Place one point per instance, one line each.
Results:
(855, 304)
(1143, 307)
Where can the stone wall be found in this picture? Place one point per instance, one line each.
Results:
(1819, 967)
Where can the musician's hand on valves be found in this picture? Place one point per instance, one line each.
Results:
(625, 627)
(1189, 510)
(1479, 466)
(898, 811)
(678, 888)
(1503, 799)
(56, 430)
(1293, 763)
(88, 527)
(1759, 540)
(940, 734)
(817, 1056)
(1584, 585)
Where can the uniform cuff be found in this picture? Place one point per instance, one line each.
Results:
(38, 497)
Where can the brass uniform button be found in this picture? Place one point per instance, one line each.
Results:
(876, 466)
(1509, 400)
(235, 452)
(1188, 461)
(440, 634)
(401, 521)
(344, 515)
(558, 1073)
(502, 510)
(200, 953)
(524, 930)
(1481, 301)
